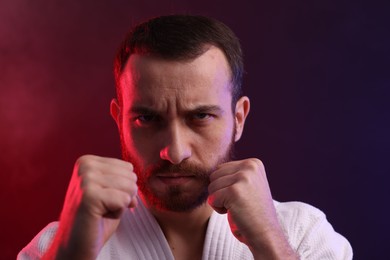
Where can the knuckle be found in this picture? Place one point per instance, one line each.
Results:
(244, 177)
(85, 158)
(131, 166)
(234, 191)
(133, 177)
(86, 165)
(258, 162)
(87, 178)
(254, 164)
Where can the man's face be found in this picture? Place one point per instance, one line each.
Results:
(177, 125)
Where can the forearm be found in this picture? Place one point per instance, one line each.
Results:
(75, 239)
(273, 245)
(60, 250)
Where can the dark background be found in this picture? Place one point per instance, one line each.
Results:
(317, 74)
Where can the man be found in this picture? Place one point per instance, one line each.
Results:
(179, 111)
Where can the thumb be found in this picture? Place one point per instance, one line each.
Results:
(220, 210)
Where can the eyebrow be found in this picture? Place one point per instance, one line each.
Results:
(199, 109)
(142, 110)
(207, 109)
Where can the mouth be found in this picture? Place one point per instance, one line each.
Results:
(175, 178)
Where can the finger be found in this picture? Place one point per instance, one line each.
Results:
(112, 165)
(123, 183)
(252, 165)
(222, 182)
(109, 161)
(122, 163)
(217, 201)
(110, 180)
(88, 163)
(113, 201)
(224, 169)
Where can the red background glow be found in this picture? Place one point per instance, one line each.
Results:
(317, 75)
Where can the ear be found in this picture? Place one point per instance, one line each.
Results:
(115, 111)
(242, 111)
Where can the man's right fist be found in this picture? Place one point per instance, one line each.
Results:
(99, 191)
(104, 186)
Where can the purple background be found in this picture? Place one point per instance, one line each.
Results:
(318, 74)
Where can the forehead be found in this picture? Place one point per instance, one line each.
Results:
(152, 79)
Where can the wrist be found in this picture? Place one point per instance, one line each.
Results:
(272, 245)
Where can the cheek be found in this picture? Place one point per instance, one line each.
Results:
(139, 146)
(218, 142)
(226, 132)
(133, 142)
(226, 140)
(129, 140)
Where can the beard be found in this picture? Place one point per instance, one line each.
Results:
(174, 197)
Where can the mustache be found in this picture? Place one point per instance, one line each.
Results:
(183, 167)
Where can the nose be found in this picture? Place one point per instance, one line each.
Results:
(176, 146)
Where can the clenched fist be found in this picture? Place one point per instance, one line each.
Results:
(99, 191)
(240, 189)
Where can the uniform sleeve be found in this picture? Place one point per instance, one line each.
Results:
(310, 234)
(40, 243)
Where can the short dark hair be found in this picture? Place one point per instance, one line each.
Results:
(182, 37)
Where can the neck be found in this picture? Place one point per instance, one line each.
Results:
(189, 226)
(194, 220)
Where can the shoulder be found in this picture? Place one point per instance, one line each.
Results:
(40, 243)
(310, 233)
(297, 211)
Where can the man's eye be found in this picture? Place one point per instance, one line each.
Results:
(201, 116)
(142, 119)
